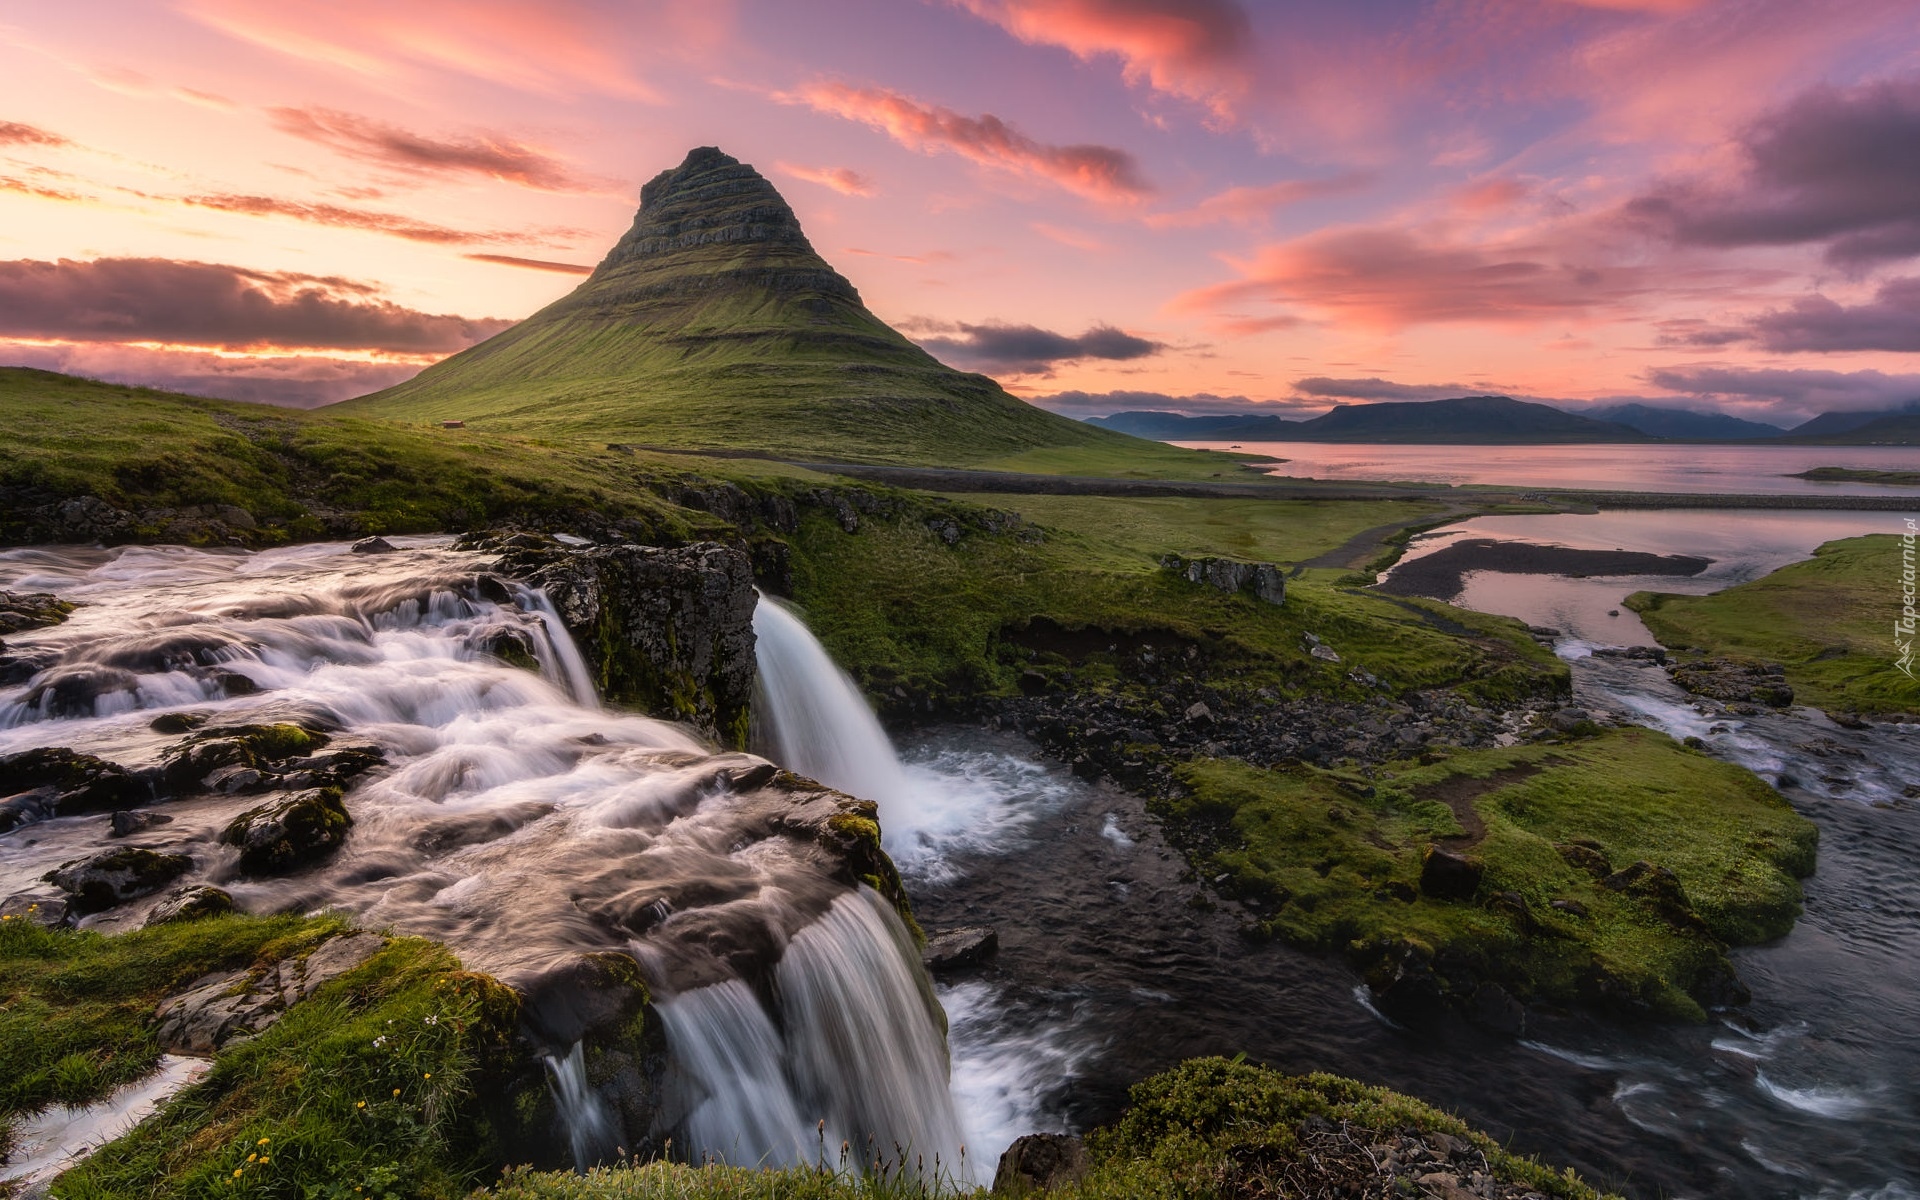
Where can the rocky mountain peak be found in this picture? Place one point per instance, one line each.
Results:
(710, 198)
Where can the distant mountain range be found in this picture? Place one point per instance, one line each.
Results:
(1468, 420)
(1497, 420)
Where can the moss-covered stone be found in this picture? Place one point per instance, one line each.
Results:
(289, 831)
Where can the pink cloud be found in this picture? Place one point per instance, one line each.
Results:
(1199, 50)
(1098, 172)
(845, 180)
(555, 47)
(1253, 205)
(491, 155)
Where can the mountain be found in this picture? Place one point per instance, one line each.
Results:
(1683, 423)
(1828, 424)
(713, 323)
(1880, 429)
(1178, 427)
(1468, 420)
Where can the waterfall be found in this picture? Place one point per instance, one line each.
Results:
(853, 1052)
(590, 1127)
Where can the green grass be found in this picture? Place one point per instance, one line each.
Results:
(386, 1082)
(1208, 1128)
(1861, 475)
(1828, 620)
(899, 608)
(1338, 869)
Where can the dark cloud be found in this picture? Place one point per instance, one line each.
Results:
(207, 304)
(1030, 350)
(1691, 331)
(13, 133)
(302, 382)
(492, 155)
(1797, 390)
(1839, 166)
(1379, 389)
(1890, 321)
(531, 264)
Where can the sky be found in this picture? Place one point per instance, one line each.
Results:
(1194, 205)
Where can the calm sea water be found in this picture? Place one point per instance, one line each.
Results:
(1641, 468)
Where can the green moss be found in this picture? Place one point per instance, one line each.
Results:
(1333, 869)
(1828, 620)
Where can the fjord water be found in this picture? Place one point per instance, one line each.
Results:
(1655, 467)
(517, 822)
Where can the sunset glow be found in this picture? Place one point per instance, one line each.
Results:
(1200, 203)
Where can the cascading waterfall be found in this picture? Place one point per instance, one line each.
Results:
(590, 1127)
(516, 821)
(817, 723)
(852, 1055)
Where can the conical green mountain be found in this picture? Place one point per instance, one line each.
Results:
(713, 323)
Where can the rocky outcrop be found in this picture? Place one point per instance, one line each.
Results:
(1262, 581)
(216, 1009)
(55, 781)
(958, 949)
(666, 631)
(31, 610)
(117, 876)
(191, 904)
(289, 832)
(1735, 681)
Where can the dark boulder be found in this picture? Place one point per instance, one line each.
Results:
(190, 904)
(55, 781)
(131, 821)
(1040, 1162)
(1735, 681)
(1262, 581)
(31, 610)
(373, 545)
(117, 876)
(1445, 875)
(289, 831)
(195, 762)
(958, 949)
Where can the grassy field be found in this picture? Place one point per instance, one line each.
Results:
(1335, 860)
(1828, 620)
(1860, 475)
(384, 1083)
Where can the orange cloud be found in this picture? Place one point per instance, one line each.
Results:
(1098, 172)
(1252, 205)
(531, 264)
(340, 217)
(555, 47)
(13, 133)
(1197, 50)
(492, 155)
(845, 180)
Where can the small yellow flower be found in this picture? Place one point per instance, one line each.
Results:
(253, 1158)
(236, 1172)
(263, 1141)
(361, 1104)
(396, 1091)
(264, 1160)
(428, 1075)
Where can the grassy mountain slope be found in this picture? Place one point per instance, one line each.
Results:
(1468, 420)
(714, 323)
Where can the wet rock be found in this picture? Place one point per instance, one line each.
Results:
(178, 722)
(1262, 581)
(373, 545)
(669, 631)
(1493, 1007)
(289, 831)
(73, 690)
(1445, 875)
(958, 949)
(216, 1009)
(104, 880)
(31, 610)
(510, 645)
(47, 908)
(1735, 681)
(1646, 654)
(195, 762)
(1040, 1162)
(190, 904)
(130, 821)
(55, 781)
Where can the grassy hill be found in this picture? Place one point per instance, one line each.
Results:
(713, 323)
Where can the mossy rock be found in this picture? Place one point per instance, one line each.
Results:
(289, 832)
